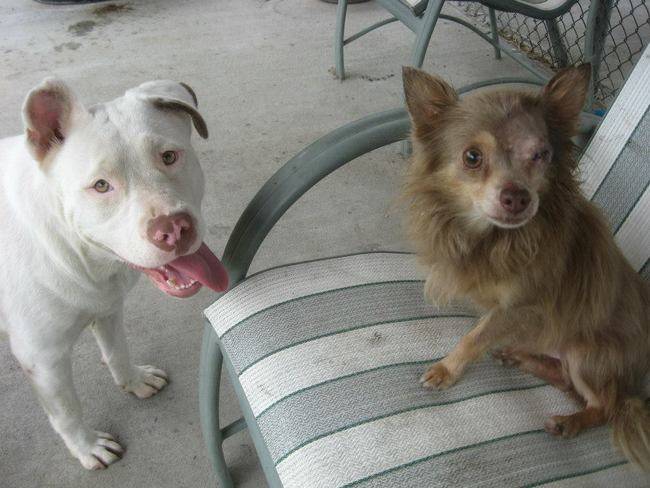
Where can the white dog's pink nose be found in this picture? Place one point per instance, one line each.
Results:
(172, 232)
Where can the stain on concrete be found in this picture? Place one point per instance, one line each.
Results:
(82, 28)
(219, 230)
(73, 46)
(378, 78)
(104, 15)
(111, 8)
(108, 13)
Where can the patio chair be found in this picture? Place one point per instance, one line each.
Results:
(325, 355)
(421, 17)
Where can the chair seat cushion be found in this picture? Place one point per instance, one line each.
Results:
(328, 354)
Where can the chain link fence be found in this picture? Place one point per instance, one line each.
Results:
(628, 34)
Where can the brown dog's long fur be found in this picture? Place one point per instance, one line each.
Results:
(557, 285)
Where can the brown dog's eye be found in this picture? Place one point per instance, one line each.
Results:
(472, 158)
(169, 158)
(102, 186)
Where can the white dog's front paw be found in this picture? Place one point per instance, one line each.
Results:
(146, 381)
(99, 452)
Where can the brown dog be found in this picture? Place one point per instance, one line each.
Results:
(497, 216)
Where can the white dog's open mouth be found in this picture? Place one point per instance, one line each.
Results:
(184, 276)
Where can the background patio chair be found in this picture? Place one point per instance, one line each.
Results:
(325, 355)
(421, 17)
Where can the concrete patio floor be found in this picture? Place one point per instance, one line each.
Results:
(261, 70)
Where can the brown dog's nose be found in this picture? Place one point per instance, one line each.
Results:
(515, 200)
(172, 232)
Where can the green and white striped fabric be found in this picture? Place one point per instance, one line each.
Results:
(329, 352)
(616, 167)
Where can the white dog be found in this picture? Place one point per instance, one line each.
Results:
(89, 197)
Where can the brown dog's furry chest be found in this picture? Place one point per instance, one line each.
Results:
(447, 282)
(497, 268)
(564, 267)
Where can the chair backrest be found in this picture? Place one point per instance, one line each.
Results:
(616, 167)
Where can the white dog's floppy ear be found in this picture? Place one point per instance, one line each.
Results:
(49, 112)
(171, 95)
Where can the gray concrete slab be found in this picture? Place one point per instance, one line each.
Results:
(260, 70)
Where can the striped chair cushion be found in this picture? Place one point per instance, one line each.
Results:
(616, 167)
(329, 354)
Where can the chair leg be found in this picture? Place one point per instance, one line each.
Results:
(339, 39)
(597, 28)
(429, 21)
(209, 383)
(556, 43)
(495, 33)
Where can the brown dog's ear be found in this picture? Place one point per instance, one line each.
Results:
(48, 114)
(427, 96)
(565, 94)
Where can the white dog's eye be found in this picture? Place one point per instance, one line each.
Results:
(102, 186)
(169, 157)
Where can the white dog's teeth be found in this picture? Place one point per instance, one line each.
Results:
(172, 284)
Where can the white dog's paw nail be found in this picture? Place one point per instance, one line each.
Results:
(147, 382)
(103, 453)
(104, 435)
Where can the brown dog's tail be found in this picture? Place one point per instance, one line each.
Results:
(631, 424)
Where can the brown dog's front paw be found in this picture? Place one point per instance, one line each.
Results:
(438, 376)
(565, 426)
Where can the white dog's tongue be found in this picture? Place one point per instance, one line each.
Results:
(204, 267)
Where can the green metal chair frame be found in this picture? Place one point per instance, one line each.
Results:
(279, 193)
(422, 23)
